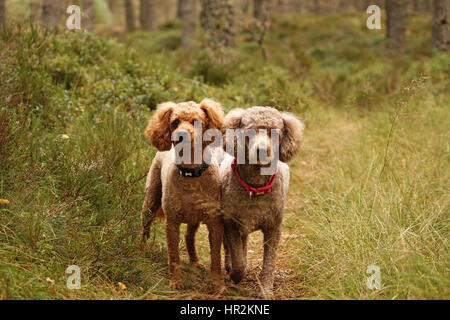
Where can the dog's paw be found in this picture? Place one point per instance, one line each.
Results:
(266, 293)
(219, 285)
(220, 289)
(237, 275)
(176, 284)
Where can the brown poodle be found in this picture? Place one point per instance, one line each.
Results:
(187, 192)
(252, 201)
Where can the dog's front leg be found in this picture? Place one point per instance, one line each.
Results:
(215, 229)
(173, 238)
(234, 242)
(190, 244)
(271, 240)
(227, 253)
(244, 239)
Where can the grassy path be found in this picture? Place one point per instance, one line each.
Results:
(369, 187)
(343, 214)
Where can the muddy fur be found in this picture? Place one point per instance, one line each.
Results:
(183, 199)
(243, 215)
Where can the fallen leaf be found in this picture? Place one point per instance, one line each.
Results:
(289, 236)
(52, 289)
(121, 286)
(4, 201)
(50, 280)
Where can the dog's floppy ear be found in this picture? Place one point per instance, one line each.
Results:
(214, 112)
(292, 136)
(233, 122)
(233, 119)
(158, 128)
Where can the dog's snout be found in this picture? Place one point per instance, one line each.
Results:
(265, 150)
(183, 135)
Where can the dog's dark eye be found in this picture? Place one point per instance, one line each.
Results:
(175, 123)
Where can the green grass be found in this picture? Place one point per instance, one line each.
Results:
(370, 186)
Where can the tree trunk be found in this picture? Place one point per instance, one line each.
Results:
(88, 15)
(364, 4)
(397, 19)
(417, 5)
(147, 15)
(343, 5)
(422, 5)
(441, 27)
(34, 11)
(179, 4)
(112, 5)
(259, 10)
(317, 7)
(129, 15)
(189, 21)
(245, 6)
(2, 13)
(52, 12)
(217, 20)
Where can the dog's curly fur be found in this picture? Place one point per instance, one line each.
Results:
(183, 199)
(243, 215)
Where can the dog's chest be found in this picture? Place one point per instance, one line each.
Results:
(253, 212)
(193, 198)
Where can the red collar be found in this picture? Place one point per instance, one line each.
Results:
(252, 191)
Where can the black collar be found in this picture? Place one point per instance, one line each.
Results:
(192, 172)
